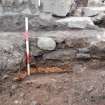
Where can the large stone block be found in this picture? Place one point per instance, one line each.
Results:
(46, 43)
(58, 7)
(61, 54)
(11, 51)
(77, 22)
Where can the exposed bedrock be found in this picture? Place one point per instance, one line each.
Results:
(65, 46)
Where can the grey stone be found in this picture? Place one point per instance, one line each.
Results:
(35, 103)
(76, 22)
(46, 17)
(20, 1)
(77, 43)
(1, 9)
(99, 18)
(34, 5)
(11, 52)
(83, 50)
(36, 51)
(59, 8)
(46, 43)
(35, 2)
(6, 76)
(26, 11)
(98, 50)
(93, 11)
(96, 3)
(60, 54)
(83, 56)
(78, 12)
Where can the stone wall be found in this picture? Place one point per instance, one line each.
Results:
(51, 48)
(61, 31)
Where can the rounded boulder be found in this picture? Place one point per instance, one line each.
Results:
(46, 43)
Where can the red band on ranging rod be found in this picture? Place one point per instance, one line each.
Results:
(26, 35)
(27, 58)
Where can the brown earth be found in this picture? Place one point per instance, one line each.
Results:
(83, 85)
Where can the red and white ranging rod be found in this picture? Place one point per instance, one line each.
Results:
(26, 34)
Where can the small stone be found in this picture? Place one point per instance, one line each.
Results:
(46, 43)
(16, 102)
(5, 76)
(99, 18)
(35, 103)
(78, 69)
(27, 11)
(13, 87)
(90, 88)
(34, 2)
(22, 94)
(36, 51)
(45, 16)
(83, 56)
(78, 12)
(83, 50)
(77, 42)
(21, 1)
(102, 74)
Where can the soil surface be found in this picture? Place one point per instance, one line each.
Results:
(83, 85)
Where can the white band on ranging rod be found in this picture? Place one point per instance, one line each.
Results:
(26, 24)
(27, 45)
(38, 3)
